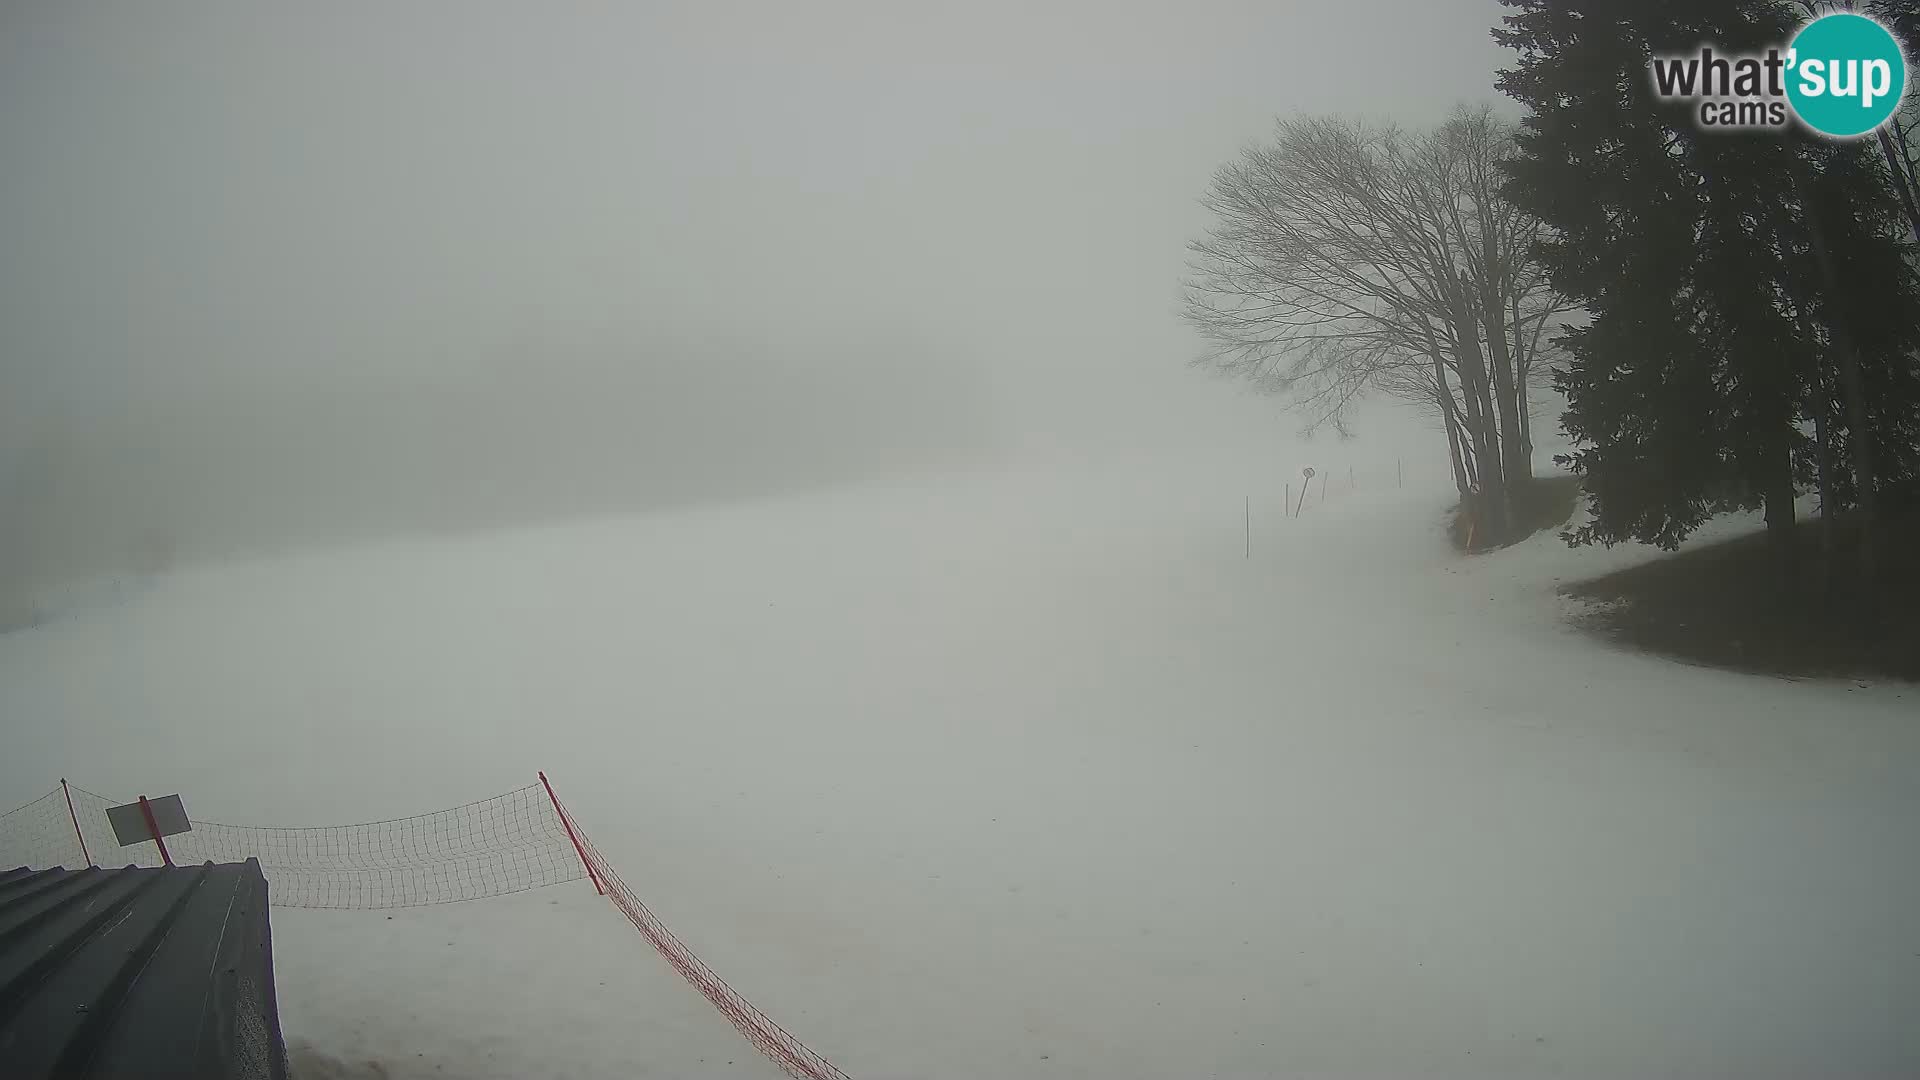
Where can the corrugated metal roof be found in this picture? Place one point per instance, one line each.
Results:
(151, 972)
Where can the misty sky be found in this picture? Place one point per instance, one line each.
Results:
(279, 262)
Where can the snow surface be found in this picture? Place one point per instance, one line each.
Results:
(1029, 772)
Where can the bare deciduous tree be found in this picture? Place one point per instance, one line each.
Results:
(1346, 258)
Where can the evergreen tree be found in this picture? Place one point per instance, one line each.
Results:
(1741, 286)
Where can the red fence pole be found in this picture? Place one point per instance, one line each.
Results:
(75, 818)
(578, 850)
(153, 827)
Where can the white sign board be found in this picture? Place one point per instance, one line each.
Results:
(130, 825)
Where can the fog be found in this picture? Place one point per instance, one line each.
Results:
(281, 275)
(777, 424)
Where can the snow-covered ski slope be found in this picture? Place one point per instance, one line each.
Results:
(1030, 772)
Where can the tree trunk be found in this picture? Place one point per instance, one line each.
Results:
(1906, 156)
(1443, 397)
(1526, 441)
(1517, 470)
(1491, 510)
(1821, 406)
(1778, 495)
(1823, 465)
(1902, 183)
(1523, 371)
(1860, 440)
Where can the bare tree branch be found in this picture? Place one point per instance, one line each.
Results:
(1346, 259)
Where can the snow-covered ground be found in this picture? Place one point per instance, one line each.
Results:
(1029, 772)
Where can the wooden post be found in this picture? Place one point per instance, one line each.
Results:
(75, 818)
(1396, 473)
(1286, 508)
(153, 827)
(568, 823)
(1248, 511)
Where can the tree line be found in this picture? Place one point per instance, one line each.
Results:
(1728, 319)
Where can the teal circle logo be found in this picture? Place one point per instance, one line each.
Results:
(1846, 75)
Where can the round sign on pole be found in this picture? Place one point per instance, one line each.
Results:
(1307, 472)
